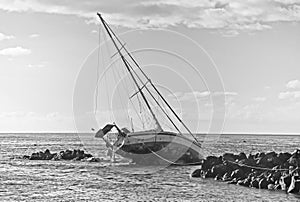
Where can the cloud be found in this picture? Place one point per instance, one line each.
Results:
(5, 37)
(197, 95)
(294, 84)
(34, 35)
(17, 51)
(189, 96)
(229, 16)
(36, 65)
(259, 99)
(289, 95)
(291, 92)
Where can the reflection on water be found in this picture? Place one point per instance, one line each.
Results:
(82, 181)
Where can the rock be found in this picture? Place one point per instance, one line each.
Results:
(229, 157)
(218, 177)
(66, 155)
(263, 170)
(277, 187)
(226, 177)
(283, 157)
(233, 181)
(295, 185)
(196, 173)
(285, 182)
(238, 173)
(87, 155)
(207, 174)
(255, 183)
(271, 186)
(220, 170)
(293, 161)
(211, 161)
(267, 161)
(242, 156)
(263, 183)
(34, 156)
(93, 159)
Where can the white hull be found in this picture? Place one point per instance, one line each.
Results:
(150, 147)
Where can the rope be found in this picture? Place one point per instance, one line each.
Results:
(170, 162)
(261, 168)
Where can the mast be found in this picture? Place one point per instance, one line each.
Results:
(127, 65)
(154, 87)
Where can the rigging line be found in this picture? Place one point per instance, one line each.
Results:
(106, 83)
(98, 66)
(126, 88)
(115, 77)
(159, 99)
(152, 84)
(124, 85)
(171, 162)
(155, 99)
(128, 69)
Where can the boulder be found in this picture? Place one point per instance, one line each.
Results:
(211, 161)
(66, 155)
(285, 182)
(220, 170)
(227, 177)
(255, 182)
(271, 186)
(196, 173)
(229, 157)
(294, 185)
(242, 156)
(263, 183)
(238, 173)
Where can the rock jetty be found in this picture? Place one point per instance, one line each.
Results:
(273, 171)
(75, 154)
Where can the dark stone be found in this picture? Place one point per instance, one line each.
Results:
(226, 177)
(233, 181)
(220, 170)
(238, 173)
(263, 183)
(66, 155)
(255, 183)
(207, 174)
(229, 157)
(218, 177)
(294, 185)
(211, 161)
(285, 182)
(196, 173)
(88, 155)
(294, 160)
(242, 156)
(277, 187)
(271, 186)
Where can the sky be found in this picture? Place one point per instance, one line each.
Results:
(246, 51)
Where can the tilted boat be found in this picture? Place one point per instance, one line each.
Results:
(155, 146)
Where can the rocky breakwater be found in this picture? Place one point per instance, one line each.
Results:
(274, 171)
(75, 154)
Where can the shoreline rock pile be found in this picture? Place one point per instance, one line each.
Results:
(76, 154)
(273, 171)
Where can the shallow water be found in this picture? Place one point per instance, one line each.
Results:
(24, 180)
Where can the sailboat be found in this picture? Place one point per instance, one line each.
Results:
(154, 146)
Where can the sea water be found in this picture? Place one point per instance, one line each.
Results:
(25, 180)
